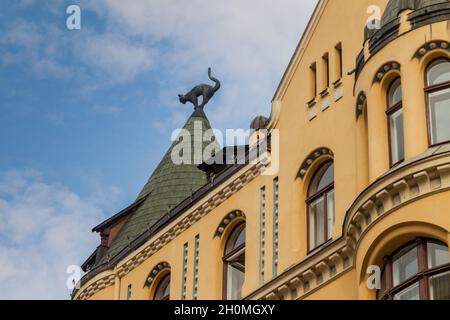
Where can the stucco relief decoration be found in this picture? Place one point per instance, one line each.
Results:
(432, 46)
(313, 156)
(226, 222)
(362, 98)
(155, 271)
(387, 67)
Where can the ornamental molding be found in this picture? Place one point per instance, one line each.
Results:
(360, 103)
(402, 186)
(160, 267)
(313, 157)
(316, 270)
(385, 69)
(227, 220)
(96, 286)
(216, 198)
(432, 46)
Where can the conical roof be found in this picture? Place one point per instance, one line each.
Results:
(169, 185)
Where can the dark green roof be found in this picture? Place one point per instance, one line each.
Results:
(394, 7)
(169, 185)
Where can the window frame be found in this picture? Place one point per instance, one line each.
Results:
(228, 255)
(326, 71)
(390, 111)
(158, 287)
(338, 52)
(429, 89)
(324, 191)
(421, 277)
(313, 81)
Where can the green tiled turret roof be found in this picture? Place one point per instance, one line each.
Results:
(169, 185)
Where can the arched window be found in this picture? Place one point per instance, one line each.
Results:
(395, 122)
(438, 99)
(320, 204)
(162, 291)
(234, 264)
(418, 271)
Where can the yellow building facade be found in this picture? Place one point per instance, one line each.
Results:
(355, 185)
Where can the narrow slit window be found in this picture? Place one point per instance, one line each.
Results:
(313, 80)
(339, 67)
(326, 71)
(438, 100)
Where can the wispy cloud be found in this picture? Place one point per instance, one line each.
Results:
(44, 228)
(28, 44)
(115, 57)
(248, 43)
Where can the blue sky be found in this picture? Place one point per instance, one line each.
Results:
(87, 114)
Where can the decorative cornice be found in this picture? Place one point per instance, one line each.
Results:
(360, 102)
(312, 157)
(415, 180)
(384, 69)
(316, 270)
(96, 286)
(432, 46)
(160, 267)
(227, 220)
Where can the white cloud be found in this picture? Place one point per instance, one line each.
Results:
(51, 51)
(35, 46)
(43, 228)
(115, 57)
(248, 44)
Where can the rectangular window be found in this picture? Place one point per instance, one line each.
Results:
(397, 138)
(325, 71)
(410, 293)
(405, 266)
(313, 80)
(440, 286)
(129, 292)
(317, 222)
(330, 214)
(439, 104)
(338, 61)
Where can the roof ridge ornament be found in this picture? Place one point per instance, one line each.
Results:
(206, 91)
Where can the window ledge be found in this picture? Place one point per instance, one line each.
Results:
(311, 103)
(337, 83)
(325, 93)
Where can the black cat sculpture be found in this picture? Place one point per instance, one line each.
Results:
(204, 90)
